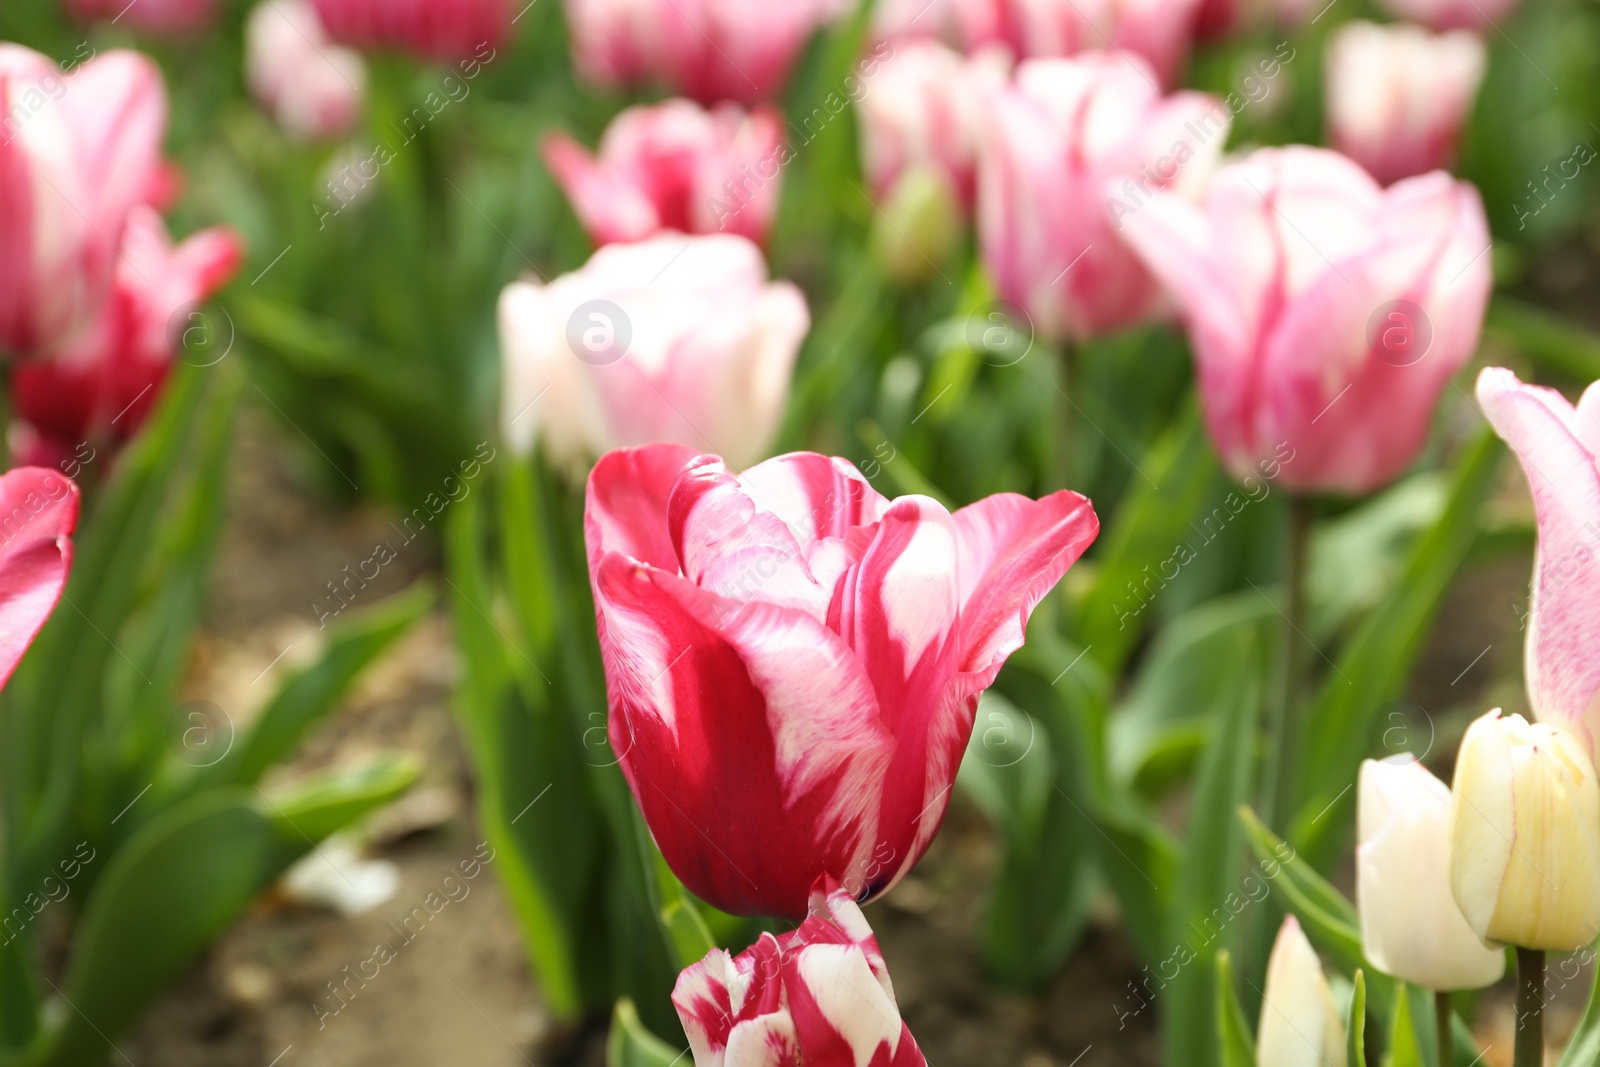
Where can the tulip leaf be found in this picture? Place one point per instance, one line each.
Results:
(631, 1045)
(1355, 1028)
(1405, 1042)
(1329, 919)
(1583, 1050)
(1237, 1047)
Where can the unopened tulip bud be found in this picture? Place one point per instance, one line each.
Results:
(1525, 835)
(920, 225)
(1300, 1025)
(1410, 925)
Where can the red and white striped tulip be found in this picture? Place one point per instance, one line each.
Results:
(794, 661)
(819, 996)
(1411, 927)
(1070, 149)
(1300, 1024)
(1480, 15)
(678, 338)
(711, 50)
(925, 109)
(445, 31)
(1326, 313)
(1559, 448)
(76, 154)
(1399, 95)
(675, 166)
(38, 512)
(312, 87)
(100, 388)
(162, 18)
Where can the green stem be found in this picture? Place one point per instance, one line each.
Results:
(1066, 417)
(1530, 1008)
(1284, 724)
(1442, 1016)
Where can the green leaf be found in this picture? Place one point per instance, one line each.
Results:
(1329, 919)
(1355, 1028)
(631, 1045)
(1583, 1050)
(1405, 1042)
(1546, 337)
(1237, 1048)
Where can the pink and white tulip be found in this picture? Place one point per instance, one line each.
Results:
(678, 338)
(1326, 314)
(675, 166)
(164, 18)
(100, 388)
(1399, 95)
(312, 87)
(76, 154)
(1068, 150)
(925, 109)
(1479, 15)
(1559, 448)
(711, 50)
(818, 996)
(794, 661)
(446, 31)
(38, 512)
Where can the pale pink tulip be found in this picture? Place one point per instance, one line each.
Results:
(675, 166)
(677, 338)
(311, 86)
(1069, 150)
(1398, 95)
(76, 154)
(711, 50)
(446, 31)
(1559, 447)
(1325, 313)
(925, 109)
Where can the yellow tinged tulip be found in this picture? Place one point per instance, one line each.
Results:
(1525, 835)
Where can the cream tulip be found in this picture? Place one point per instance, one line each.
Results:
(1300, 1025)
(1411, 927)
(1525, 835)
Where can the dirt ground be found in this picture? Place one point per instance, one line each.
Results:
(460, 993)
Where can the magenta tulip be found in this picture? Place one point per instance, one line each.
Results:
(675, 166)
(1559, 447)
(38, 512)
(794, 661)
(446, 31)
(76, 154)
(312, 87)
(818, 996)
(1069, 150)
(1398, 95)
(711, 50)
(99, 389)
(165, 18)
(1325, 313)
(1480, 15)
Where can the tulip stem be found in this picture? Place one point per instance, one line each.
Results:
(1442, 1015)
(1284, 725)
(1530, 1008)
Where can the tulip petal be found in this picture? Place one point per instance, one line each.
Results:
(1483, 822)
(38, 512)
(841, 1013)
(1563, 673)
(815, 496)
(625, 508)
(609, 206)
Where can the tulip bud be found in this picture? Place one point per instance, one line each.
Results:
(919, 226)
(1300, 1025)
(312, 87)
(1410, 925)
(1525, 835)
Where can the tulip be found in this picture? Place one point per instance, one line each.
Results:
(794, 661)
(166, 18)
(1398, 95)
(1560, 453)
(38, 511)
(1410, 925)
(675, 166)
(1479, 15)
(76, 154)
(1067, 150)
(1525, 835)
(100, 388)
(1300, 1026)
(1326, 314)
(672, 339)
(445, 31)
(312, 87)
(711, 50)
(819, 995)
(925, 109)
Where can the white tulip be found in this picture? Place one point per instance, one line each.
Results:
(1300, 1025)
